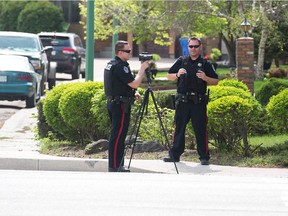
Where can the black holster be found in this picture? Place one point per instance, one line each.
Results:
(126, 101)
(195, 97)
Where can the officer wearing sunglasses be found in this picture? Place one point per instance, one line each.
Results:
(120, 88)
(193, 74)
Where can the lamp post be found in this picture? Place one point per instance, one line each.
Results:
(245, 26)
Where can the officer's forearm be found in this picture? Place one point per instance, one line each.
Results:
(172, 76)
(211, 81)
(138, 79)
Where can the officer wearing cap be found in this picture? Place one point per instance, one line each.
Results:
(193, 74)
(120, 89)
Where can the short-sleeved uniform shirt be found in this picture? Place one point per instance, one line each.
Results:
(190, 82)
(117, 75)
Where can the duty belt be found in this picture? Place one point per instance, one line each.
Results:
(190, 96)
(118, 99)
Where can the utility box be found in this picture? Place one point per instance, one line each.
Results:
(184, 46)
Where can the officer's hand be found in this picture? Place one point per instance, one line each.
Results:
(181, 71)
(145, 65)
(201, 75)
(137, 96)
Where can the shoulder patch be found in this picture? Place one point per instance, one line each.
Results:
(126, 69)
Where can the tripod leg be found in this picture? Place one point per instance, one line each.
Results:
(162, 126)
(143, 107)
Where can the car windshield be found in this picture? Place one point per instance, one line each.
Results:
(55, 41)
(13, 64)
(18, 43)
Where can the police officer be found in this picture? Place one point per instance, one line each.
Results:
(193, 74)
(120, 89)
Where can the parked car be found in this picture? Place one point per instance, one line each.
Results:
(68, 52)
(29, 45)
(19, 80)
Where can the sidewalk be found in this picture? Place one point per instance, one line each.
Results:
(19, 151)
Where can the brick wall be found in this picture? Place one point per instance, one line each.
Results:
(245, 61)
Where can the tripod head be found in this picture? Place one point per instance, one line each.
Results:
(150, 74)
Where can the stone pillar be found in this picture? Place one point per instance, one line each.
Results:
(245, 61)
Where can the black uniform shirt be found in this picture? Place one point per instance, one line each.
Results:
(190, 82)
(117, 75)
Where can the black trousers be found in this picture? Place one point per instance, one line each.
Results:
(120, 118)
(186, 111)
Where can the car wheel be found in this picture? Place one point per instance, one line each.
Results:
(51, 83)
(31, 101)
(76, 72)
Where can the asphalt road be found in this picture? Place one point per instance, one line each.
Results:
(30, 193)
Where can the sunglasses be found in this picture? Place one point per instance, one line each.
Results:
(126, 51)
(194, 46)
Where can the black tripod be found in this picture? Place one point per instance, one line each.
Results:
(139, 117)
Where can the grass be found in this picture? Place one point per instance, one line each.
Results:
(272, 153)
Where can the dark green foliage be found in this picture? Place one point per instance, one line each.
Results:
(9, 11)
(164, 99)
(277, 109)
(43, 127)
(262, 125)
(40, 16)
(273, 87)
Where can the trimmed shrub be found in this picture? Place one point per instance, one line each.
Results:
(229, 122)
(277, 109)
(100, 114)
(75, 108)
(52, 113)
(217, 92)
(164, 99)
(273, 87)
(40, 16)
(233, 83)
(9, 11)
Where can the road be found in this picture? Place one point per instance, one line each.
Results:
(30, 193)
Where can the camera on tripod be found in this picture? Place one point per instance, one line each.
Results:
(145, 56)
(151, 71)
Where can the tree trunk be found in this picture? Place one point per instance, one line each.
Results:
(261, 54)
(230, 44)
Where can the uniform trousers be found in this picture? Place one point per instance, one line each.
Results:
(186, 111)
(120, 118)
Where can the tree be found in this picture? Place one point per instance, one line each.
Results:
(9, 11)
(40, 16)
(144, 18)
(151, 20)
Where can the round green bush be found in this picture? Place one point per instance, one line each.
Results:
(229, 121)
(277, 109)
(75, 107)
(233, 83)
(40, 16)
(217, 92)
(52, 113)
(272, 87)
(100, 114)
